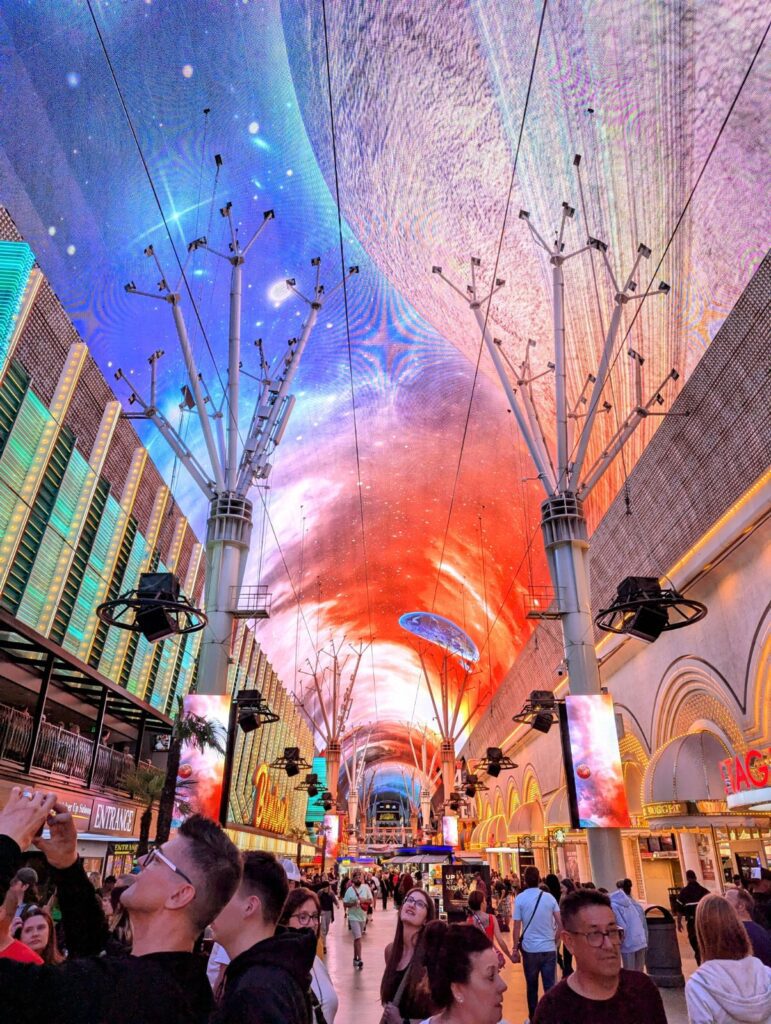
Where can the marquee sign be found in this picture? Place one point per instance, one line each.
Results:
(271, 811)
(747, 779)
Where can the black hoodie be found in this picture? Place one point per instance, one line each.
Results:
(269, 983)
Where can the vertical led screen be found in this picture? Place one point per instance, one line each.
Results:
(593, 763)
(332, 832)
(200, 776)
(450, 830)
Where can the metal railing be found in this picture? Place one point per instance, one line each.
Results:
(60, 751)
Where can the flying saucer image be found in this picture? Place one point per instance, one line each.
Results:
(442, 632)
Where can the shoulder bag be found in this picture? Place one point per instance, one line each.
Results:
(529, 920)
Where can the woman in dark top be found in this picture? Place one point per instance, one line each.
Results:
(404, 990)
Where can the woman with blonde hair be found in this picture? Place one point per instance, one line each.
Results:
(731, 986)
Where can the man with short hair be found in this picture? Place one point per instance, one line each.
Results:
(268, 978)
(357, 900)
(180, 888)
(687, 900)
(599, 991)
(536, 925)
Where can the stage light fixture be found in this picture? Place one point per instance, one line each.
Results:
(159, 609)
(327, 801)
(643, 250)
(494, 762)
(291, 762)
(595, 243)
(642, 608)
(664, 288)
(542, 721)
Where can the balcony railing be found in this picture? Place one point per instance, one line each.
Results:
(60, 751)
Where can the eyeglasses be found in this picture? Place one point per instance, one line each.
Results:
(595, 938)
(157, 855)
(417, 902)
(305, 919)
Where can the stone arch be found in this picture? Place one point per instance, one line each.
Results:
(692, 692)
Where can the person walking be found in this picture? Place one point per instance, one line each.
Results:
(486, 922)
(730, 986)
(760, 937)
(536, 927)
(303, 910)
(404, 986)
(385, 888)
(327, 902)
(630, 917)
(600, 990)
(357, 900)
(687, 901)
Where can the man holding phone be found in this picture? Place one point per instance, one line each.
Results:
(180, 888)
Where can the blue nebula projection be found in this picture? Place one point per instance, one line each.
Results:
(441, 631)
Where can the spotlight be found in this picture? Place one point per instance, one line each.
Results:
(569, 210)
(292, 769)
(470, 792)
(524, 215)
(248, 721)
(493, 770)
(664, 288)
(326, 801)
(436, 270)
(542, 721)
(494, 762)
(642, 607)
(643, 250)
(595, 243)
(291, 761)
(155, 622)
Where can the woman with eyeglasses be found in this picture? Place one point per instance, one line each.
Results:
(303, 910)
(404, 990)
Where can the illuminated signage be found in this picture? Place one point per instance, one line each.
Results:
(113, 819)
(747, 779)
(271, 811)
(665, 809)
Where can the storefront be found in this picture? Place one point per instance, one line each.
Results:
(526, 834)
(692, 823)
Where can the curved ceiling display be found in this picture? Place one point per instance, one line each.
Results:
(392, 489)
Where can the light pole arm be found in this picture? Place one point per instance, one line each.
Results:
(174, 441)
(599, 385)
(536, 451)
(195, 387)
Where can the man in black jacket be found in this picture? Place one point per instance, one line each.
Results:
(268, 978)
(687, 900)
(181, 888)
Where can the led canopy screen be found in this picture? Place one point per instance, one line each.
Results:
(593, 763)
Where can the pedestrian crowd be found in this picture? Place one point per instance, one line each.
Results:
(131, 949)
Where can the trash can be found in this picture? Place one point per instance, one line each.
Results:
(662, 957)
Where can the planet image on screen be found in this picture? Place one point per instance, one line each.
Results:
(583, 771)
(185, 771)
(441, 631)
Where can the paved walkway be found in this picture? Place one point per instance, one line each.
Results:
(358, 991)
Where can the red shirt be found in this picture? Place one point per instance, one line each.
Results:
(636, 1001)
(18, 951)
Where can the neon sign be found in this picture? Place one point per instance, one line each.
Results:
(271, 811)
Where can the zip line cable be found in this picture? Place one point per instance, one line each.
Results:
(489, 303)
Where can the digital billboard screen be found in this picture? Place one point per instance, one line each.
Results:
(595, 781)
(201, 771)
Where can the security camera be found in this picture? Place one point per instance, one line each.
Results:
(269, 215)
(562, 669)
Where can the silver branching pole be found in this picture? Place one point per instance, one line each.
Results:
(566, 485)
(233, 468)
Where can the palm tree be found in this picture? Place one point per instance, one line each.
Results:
(195, 731)
(298, 835)
(144, 784)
